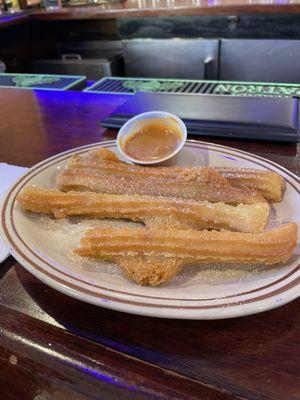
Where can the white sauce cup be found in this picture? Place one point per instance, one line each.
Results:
(136, 123)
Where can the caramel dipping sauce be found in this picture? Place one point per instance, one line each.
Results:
(152, 139)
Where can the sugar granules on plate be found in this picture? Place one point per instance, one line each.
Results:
(67, 233)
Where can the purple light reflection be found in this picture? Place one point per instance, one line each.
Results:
(60, 114)
(108, 379)
(8, 18)
(229, 158)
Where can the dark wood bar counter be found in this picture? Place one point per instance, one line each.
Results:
(149, 8)
(55, 347)
(14, 19)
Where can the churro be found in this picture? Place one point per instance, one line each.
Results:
(105, 161)
(270, 184)
(134, 249)
(153, 211)
(96, 181)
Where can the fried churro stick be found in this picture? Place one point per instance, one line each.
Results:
(106, 161)
(89, 180)
(270, 184)
(153, 211)
(135, 248)
(149, 271)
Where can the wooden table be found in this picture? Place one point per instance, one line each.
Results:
(54, 347)
(14, 19)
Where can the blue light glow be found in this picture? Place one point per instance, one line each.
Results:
(108, 379)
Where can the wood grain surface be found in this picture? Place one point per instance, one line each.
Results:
(150, 8)
(11, 20)
(55, 347)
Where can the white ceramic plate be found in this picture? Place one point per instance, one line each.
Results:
(8, 175)
(43, 246)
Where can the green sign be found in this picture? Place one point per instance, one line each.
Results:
(256, 90)
(32, 80)
(152, 85)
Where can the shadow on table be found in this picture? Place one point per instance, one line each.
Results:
(219, 352)
(147, 337)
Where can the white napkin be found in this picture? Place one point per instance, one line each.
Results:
(8, 175)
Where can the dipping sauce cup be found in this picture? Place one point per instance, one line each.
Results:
(152, 137)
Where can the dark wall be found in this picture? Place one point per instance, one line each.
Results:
(246, 26)
(20, 44)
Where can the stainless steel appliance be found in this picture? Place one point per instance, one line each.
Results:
(94, 59)
(172, 58)
(260, 60)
